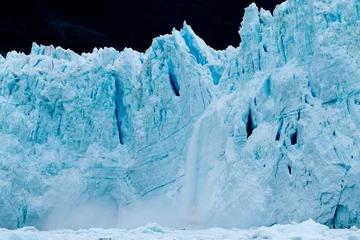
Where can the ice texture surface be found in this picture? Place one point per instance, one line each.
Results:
(308, 230)
(265, 133)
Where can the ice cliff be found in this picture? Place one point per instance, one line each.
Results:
(261, 134)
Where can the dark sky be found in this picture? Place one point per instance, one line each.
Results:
(82, 25)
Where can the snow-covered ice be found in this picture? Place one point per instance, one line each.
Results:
(308, 230)
(262, 134)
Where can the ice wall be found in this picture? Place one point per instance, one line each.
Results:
(256, 135)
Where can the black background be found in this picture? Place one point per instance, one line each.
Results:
(82, 25)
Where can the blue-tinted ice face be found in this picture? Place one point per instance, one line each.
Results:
(265, 133)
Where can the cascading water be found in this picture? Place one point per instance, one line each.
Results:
(188, 192)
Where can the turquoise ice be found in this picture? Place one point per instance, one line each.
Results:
(265, 133)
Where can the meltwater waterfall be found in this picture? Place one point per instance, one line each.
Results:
(189, 191)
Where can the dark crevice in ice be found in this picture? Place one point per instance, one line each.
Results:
(174, 84)
(265, 48)
(267, 86)
(293, 138)
(335, 216)
(119, 108)
(250, 126)
(282, 49)
(278, 133)
(173, 80)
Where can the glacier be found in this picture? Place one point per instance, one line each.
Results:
(262, 134)
(308, 230)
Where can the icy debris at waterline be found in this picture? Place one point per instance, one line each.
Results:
(308, 230)
(87, 138)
